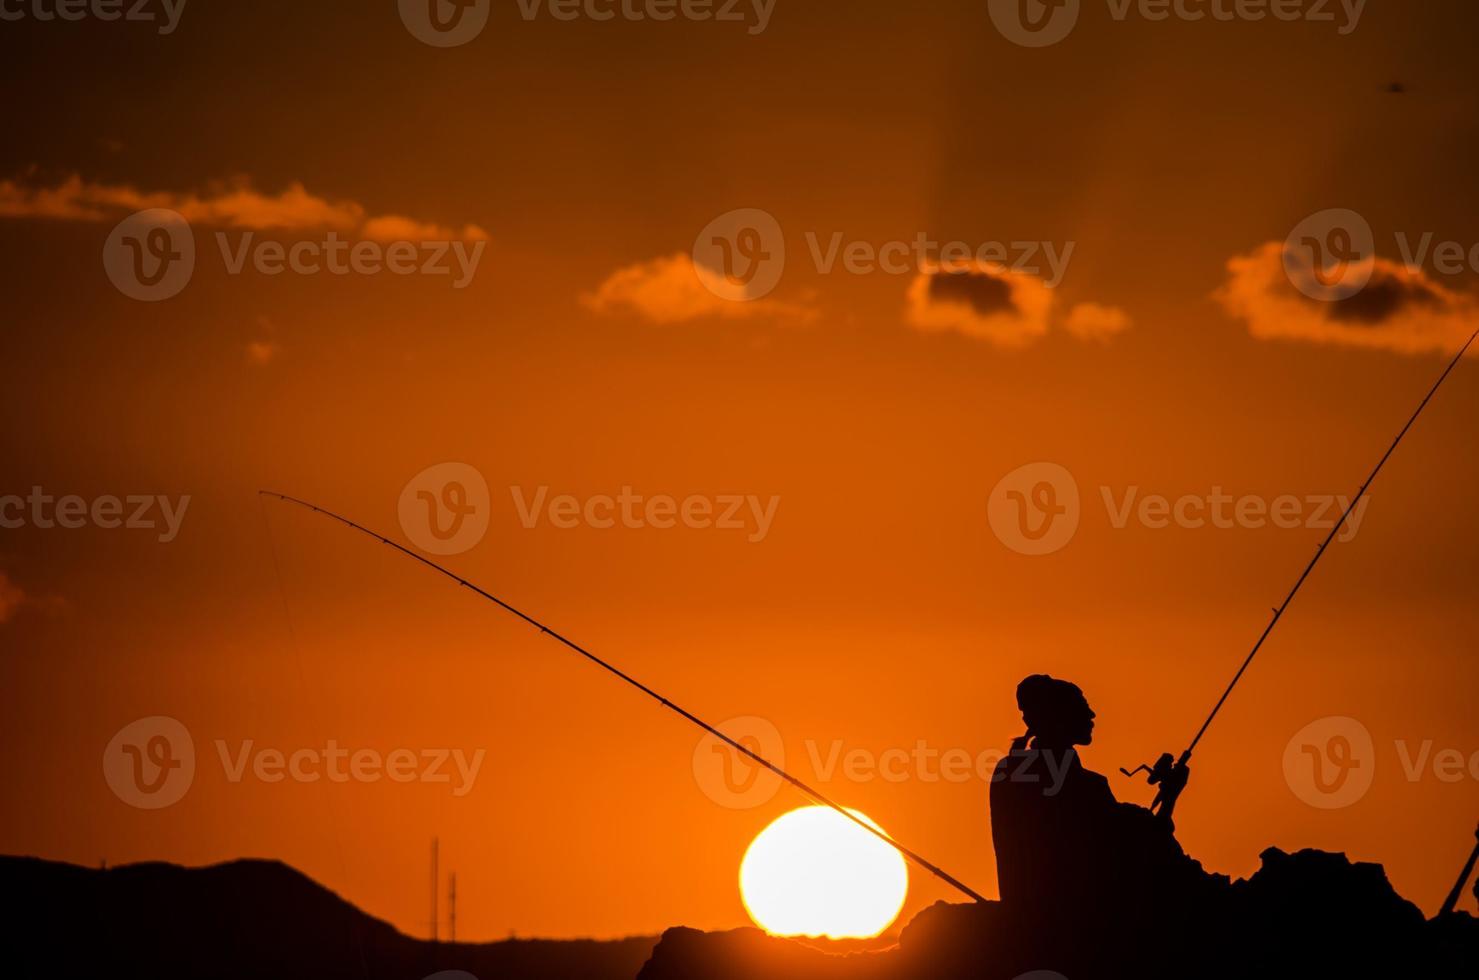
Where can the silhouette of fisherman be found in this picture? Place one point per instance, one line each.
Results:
(1068, 852)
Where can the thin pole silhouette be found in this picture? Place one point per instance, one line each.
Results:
(1451, 902)
(1279, 612)
(753, 756)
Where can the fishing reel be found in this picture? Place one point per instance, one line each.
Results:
(1170, 775)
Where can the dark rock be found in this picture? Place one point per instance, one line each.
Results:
(1303, 915)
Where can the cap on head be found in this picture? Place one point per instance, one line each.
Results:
(1052, 706)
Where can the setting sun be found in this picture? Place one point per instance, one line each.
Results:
(813, 872)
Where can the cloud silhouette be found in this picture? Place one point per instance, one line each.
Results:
(1400, 309)
(235, 204)
(668, 290)
(1009, 309)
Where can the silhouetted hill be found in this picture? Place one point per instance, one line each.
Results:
(245, 919)
(1303, 915)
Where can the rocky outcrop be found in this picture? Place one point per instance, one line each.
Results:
(1310, 914)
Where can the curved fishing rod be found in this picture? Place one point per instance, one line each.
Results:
(1451, 902)
(753, 756)
(1172, 776)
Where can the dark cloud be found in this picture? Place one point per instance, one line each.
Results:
(1383, 298)
(1400, 309)
(980, 290)
(1005, 308)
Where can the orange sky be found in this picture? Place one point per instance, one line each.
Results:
(879, 609)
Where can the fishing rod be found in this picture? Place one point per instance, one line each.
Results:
(753, 756)
(1171, 774)
(1451, 902)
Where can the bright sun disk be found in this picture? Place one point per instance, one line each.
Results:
(813, 872)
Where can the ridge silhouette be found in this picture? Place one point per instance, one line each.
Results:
(248, 919)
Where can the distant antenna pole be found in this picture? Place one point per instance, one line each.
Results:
(435, 880)
(452, 907)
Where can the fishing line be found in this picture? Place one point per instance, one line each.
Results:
(689, 716)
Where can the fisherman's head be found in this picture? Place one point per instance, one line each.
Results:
(1056, 712)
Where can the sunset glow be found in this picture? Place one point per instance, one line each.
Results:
(813, 872)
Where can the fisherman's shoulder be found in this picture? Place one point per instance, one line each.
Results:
(1096, 781)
